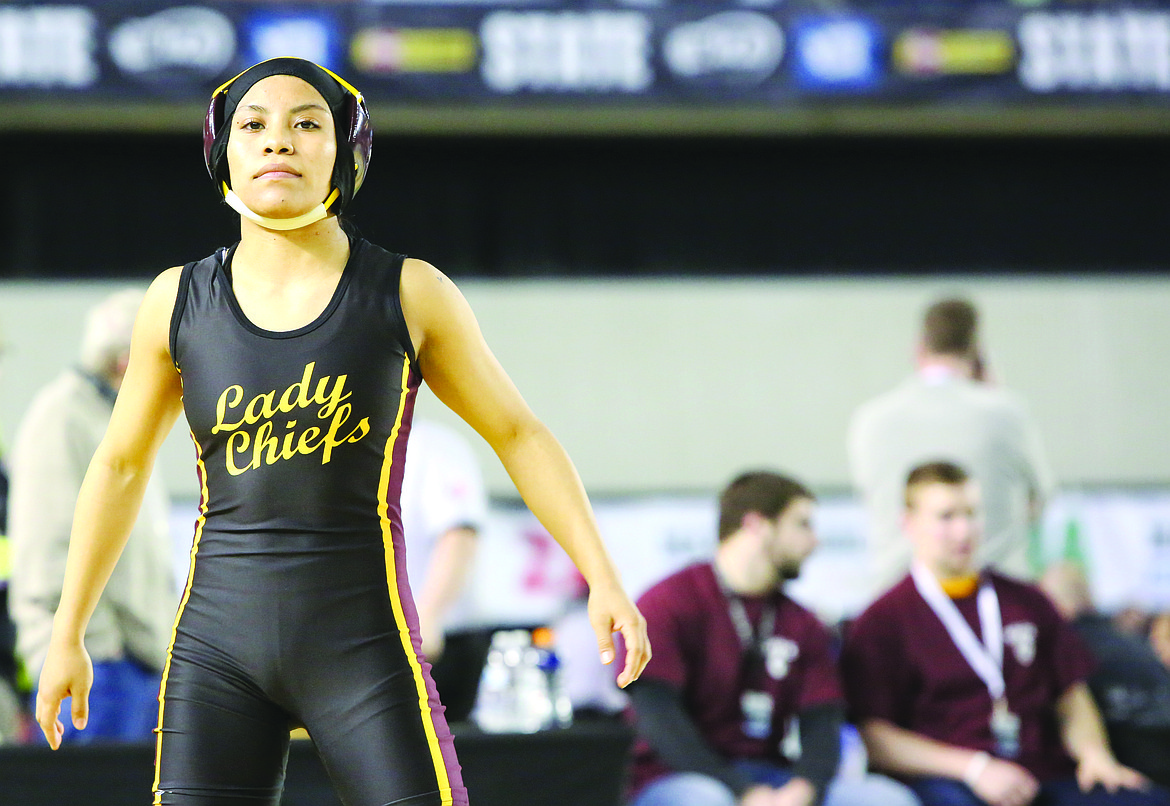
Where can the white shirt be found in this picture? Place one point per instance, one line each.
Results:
(442, 489)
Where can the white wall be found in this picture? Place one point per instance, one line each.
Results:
(678, 384)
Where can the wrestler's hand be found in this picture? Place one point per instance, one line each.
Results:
(1004, 783)
(610, 611)
(1104, 769)
(68, 672)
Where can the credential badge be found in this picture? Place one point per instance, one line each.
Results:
(1021, 637)
(778, 655)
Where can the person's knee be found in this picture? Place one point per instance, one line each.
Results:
(945, 792)
(691, 788)
(870, 790)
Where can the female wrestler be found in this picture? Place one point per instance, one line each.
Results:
(296, 356)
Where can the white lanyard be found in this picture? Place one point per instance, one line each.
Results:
(986, 656)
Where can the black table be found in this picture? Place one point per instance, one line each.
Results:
(579, 766)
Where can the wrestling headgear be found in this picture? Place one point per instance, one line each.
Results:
(351, 119)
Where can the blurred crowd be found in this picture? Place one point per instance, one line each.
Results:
(978, 674)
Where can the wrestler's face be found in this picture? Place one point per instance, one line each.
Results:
(944, 524)
(282, 147)
(793, 538)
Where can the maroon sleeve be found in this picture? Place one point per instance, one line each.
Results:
(660, 607)
(872, 669)
(1072, 660)
(822, 682)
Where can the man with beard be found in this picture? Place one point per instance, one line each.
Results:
(735, 660)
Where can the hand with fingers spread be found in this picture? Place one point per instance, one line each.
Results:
(68, 672)
(1103, 769)
(610, 611)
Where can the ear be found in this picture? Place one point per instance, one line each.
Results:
(753, 522)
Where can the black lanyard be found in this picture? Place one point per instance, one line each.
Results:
(751, 641)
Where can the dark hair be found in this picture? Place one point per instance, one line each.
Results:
(949, 327)
(760, 491)
(939, 472)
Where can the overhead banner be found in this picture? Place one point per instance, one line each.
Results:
(772, 52)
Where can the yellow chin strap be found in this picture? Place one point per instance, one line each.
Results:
(305, 219)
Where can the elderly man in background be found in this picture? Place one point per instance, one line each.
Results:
(128, 635)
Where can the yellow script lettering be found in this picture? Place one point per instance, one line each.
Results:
(228, 399)
(262, 446)
(301, 389)
(237, 446)
(309, 434)
(265, 442)
(335, 397)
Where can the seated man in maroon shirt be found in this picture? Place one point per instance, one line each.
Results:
(969, 685)
(734, 661)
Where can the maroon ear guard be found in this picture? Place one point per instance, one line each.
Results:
(360, 138)
(211, 124)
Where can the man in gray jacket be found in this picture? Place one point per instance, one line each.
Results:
(128, 635)
(949, 410)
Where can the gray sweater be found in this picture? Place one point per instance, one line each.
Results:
(985, 429)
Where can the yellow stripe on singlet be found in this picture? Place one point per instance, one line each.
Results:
(182, 603)
(396, 601)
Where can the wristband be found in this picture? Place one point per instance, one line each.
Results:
(975, 768)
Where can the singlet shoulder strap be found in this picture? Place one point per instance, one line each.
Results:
(183, 295)
(389, 274)
(395, 278)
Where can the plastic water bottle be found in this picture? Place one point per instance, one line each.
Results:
(533, 697)
(550, 664)
(521, 688)
(491, 711)
(497, 707)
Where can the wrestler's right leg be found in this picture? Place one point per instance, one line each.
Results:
(222, 743)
